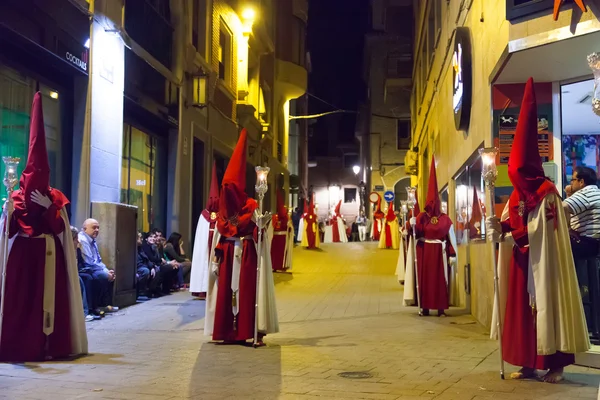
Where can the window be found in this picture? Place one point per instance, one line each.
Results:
(350, 195)
(144, 181)
(298, 41)
(402, 134)
(16, 96)
(468, 180)
(350, 160)
(225, 50)
(199, 26)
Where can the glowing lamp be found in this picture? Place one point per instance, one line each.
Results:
(489, 172)
(262, 173)
(411, 193)
(249, 14)
(356, 169)
(10, 175)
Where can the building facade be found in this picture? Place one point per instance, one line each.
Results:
(383, 125)
(142, 97)
(471, 62)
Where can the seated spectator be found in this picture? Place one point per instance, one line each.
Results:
(173, 251)
(86, 311)
(166, 271)
(145, 268)
(103, 278)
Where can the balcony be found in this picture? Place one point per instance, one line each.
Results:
(151, 28)
(291, 79)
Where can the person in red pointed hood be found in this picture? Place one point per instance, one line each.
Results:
(311, 238)
(283, 237)
(203, 241)
(378, 217)
(301, 228)
(337, 226)
(45, 321)
(230, 307)
(436, 246)
(390, 236)
(540, 304)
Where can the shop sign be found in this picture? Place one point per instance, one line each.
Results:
(462, 79)
(78, 57)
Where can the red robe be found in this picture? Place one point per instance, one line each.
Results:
(335, 229)
(22, 337)
(378, 216)
(433, 288)
(279, 242)
(311, 230)
(519, 343)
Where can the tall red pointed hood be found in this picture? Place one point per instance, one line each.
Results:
(390, 213)
(338, 208)
(378, 214)
(476, 215)
(433, 205)
(311, 205)
(36, 175)
(281, 210)
(235, 207)
(524, 164)
(213, 195)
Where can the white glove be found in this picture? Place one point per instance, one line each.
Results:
(413, 221)
(404, 232)
(493, 229)
(452, 260)
(41, 199)
(264, 220)
(214, 265)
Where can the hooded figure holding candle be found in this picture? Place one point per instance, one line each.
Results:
(540, 306)
(436, 251)
(230, 304)
(378, 217)
(42, 312)
(282, 245)
(390, 234)
(311, 239)
(205, 241)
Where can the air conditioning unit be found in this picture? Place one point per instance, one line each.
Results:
(411, 162)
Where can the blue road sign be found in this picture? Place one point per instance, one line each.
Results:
(389, 196)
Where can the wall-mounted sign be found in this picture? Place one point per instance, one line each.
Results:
(462, 79)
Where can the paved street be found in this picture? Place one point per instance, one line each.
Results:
(340, 312)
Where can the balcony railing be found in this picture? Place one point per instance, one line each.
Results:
(150, 27)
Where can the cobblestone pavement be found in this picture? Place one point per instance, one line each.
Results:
(340, 313)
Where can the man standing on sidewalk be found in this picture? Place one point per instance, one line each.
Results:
(583, 212)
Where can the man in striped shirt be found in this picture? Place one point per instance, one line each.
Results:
(583, 212)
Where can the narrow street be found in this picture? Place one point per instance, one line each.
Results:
(340, 312)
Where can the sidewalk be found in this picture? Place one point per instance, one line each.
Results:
(340, 314)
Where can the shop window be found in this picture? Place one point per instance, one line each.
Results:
(144, 181)
(16, 96)
(350, 195)
(469, 179)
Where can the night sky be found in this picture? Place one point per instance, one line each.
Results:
(336, 30)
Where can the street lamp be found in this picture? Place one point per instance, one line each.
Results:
(489, 173)
(356, 169)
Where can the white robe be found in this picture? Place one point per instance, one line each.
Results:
(300, 229)
(201, 258)
(268, 321)
(79, 342)
(401, 263)
(342, 230)
(289, 246)
(553, 284)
